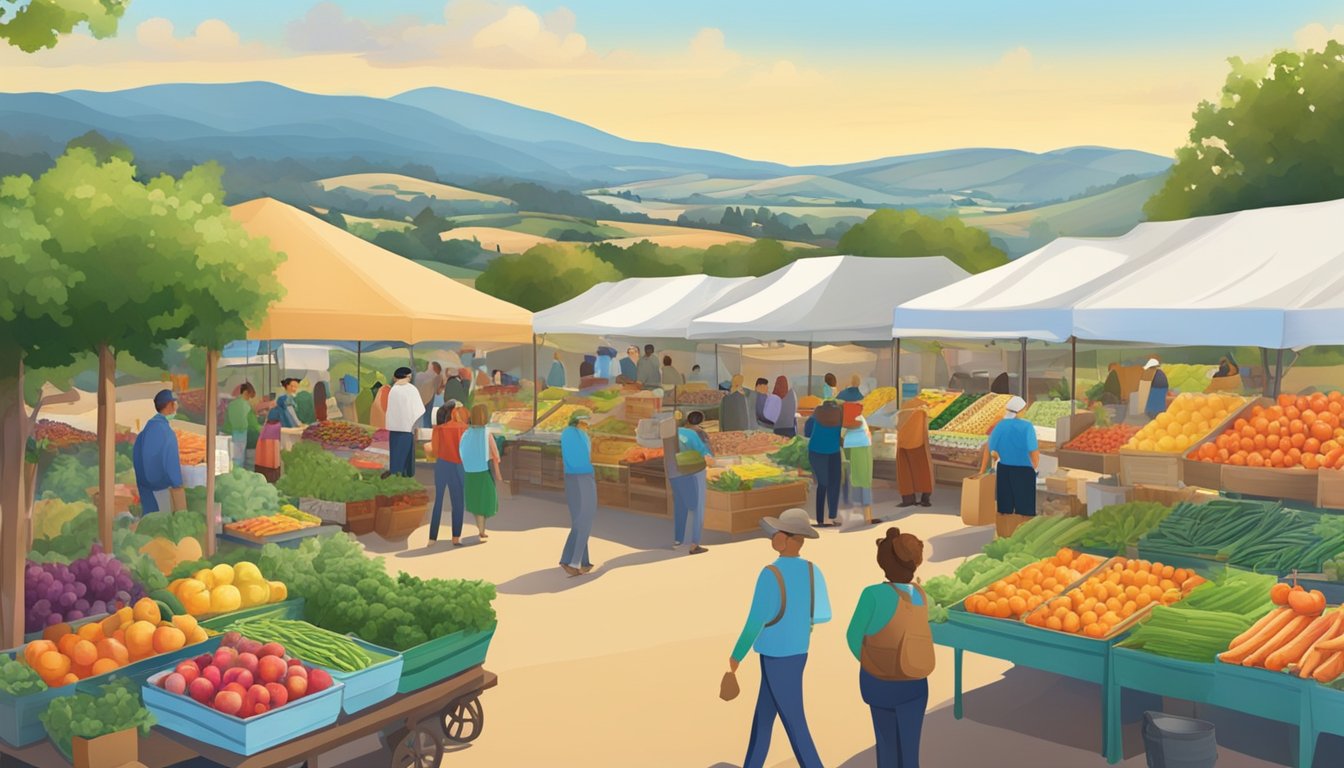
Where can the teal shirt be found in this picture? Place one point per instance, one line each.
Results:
(792, 635)
(877, 604)
(576, 451)
(1014, 440)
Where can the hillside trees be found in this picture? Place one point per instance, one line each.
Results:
(1272, 138)
(906, 233)
(545, 275)
(40, 24)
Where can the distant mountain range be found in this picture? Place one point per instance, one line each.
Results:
(461, 137)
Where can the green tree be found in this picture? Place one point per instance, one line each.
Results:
(907, 233)
(647, 259)
(753, 259)
(1273, 138)
(38, 24)
(545, 275)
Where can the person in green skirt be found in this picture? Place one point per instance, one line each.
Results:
(858, 448)
(480, 460)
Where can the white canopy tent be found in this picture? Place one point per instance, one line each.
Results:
(642, 307)
(1269, 278)
(1034, 296)
(825, 299)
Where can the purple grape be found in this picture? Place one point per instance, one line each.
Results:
(54, 619)
(82, 604)
(98, 572)
(80, 589)
(74, 615)
(98, 606)
(67, 599)
(123, 597)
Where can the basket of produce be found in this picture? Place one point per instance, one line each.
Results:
(749, 443)
(981, 416)
(953, 410)
(1047, 413)
(443, 657)
(878, 399)
(700, 397)
(59, 435)
(23, 698)
(971, 576)
(398, 521)
(1257, 536)
(793, 455)
(227, 588)
(243, 701)
(370, 673)
(339, 434)
(1114, 598)
(1021, 592)
(1112, 529)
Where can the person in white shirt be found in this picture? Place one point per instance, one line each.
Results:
(404, 412)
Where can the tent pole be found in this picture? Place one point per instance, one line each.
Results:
(359, 370)
(1278, 373)
(809, 368)
(535, 383)
(716, 366)
(1022, 383)
(896, 369)
(211, 432)
(1073, 380)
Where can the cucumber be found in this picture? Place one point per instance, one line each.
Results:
(169, 606)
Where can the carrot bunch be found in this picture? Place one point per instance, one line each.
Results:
(1298, 634)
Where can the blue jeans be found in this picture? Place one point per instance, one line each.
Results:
(688, 506)
(781, 695)
(401, 447)
(828, 470)
(451, 477)
(581, 495)
(898, 717)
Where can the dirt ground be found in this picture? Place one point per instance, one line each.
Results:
(621, 667)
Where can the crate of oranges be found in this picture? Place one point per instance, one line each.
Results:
(1018, 594)
(65, 656)
(1114, 598)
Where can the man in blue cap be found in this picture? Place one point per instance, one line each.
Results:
(158, 468)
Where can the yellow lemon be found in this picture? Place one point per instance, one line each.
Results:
(225, 598)
(198, 603)
(223, 574)
(279, 591)
(245, 572)
(206, 577)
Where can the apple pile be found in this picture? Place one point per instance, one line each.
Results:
(245, 678)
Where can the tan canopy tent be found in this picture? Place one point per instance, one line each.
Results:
(339, 286)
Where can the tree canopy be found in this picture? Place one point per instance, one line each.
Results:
(906, 233)
(1273, 138)
(545, 275)
(39, 24)
(747, 259)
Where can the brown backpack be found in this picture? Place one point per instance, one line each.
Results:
(829, 414)
(903, 649)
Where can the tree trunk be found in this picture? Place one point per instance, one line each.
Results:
(107, 443)
(13, 515)
(211, 430)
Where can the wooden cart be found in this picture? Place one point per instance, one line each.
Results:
(415, 727)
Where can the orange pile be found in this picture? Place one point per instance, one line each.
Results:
(190, 448)
(1301, 431)
(1025, 591)
(1114, 594)
(63, 656)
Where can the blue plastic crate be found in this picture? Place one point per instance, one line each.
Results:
(184, 715)
(19, 723)
(442, 658)
(372, 685)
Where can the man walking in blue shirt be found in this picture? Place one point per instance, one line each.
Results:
(158, 467)
(790, 597)
(580, 492)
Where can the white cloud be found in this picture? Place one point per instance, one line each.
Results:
(784, 74)
(708, 49)
(213, 39)
(1018, 59)
(1314, 36)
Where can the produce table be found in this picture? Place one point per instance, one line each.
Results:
(534, 466)
(1067, 655)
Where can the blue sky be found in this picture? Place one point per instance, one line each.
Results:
(802, 83)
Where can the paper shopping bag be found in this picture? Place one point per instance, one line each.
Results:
(977, 500)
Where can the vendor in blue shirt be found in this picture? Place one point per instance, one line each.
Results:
(158, 467)
(1013, 444)
(576, 450)
(686, 456)
(789, 598)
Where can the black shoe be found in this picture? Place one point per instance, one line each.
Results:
(698, 550)
(924, 501)
(907, 501)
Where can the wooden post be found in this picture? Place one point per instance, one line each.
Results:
(107, 443)
(896, 371)
(211, 431)
(535, 382)
(809, 368)
(1073, 381)
(1278, 373)
(717, 380)
(13, 515)
(359, 370)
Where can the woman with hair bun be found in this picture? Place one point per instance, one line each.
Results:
(890, 637)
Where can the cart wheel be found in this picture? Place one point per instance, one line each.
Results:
(464, 720)
(421, 747)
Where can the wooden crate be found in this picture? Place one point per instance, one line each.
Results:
(1168, 495)
(1296, 483)
(613, 494)
(650, 501)
(1101, 463)
(1149, 468)
(789, 495)
(1207, 474)
(743, 520)
(1330, 488)
(396, 523)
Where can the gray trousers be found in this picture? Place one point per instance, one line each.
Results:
(581, 494)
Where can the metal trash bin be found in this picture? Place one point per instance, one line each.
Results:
(1178, 742)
